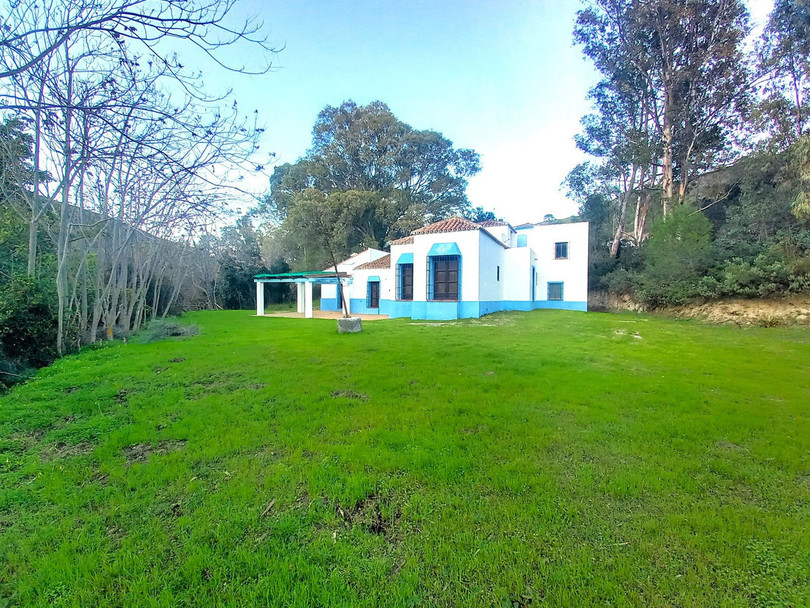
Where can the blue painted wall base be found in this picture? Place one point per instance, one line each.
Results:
(330, 304)
(445, 311)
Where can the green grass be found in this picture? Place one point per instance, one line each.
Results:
(546, 458)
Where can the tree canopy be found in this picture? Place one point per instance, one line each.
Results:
(686, 114)
(375, 177)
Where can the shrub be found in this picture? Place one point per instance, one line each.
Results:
(619, 282)
(28, 322)
(770, 273)
(675, 257)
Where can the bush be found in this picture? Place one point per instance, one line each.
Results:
(13, 371)
(28, 322)
(675, 257)
(770, 273)
(163, 329)
(619, 282)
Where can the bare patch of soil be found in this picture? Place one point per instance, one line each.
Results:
(60, 450)
(349, 395)
(767, 313)
(140, 452)
(728, 446)
(373, 514)
(794, 310)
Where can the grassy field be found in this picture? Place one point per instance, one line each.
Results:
(546, 458)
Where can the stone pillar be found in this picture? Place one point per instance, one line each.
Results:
(299, 296)
(259, 299)
(308, 299)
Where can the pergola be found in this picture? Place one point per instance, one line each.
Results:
(303, 281)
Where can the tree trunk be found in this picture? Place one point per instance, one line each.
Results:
(32, 245)
(667, 182)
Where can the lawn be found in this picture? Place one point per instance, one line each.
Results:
(523, 459)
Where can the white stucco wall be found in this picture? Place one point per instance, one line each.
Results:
(504, 234)
(348, 265)
(328, 291)
(468, 243)
(369, 255)
(492, 256)
(572, 272)
(516, 274)
(359, 287)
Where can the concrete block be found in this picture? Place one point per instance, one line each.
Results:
(350, 325)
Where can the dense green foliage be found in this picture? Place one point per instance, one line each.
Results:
(686, 115)
(738, 235)
(368, 178)
(551, 458)
(27, 304)
(240, 259)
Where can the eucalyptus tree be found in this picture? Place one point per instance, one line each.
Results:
(688, 58)
(784, 56)
(620, 133)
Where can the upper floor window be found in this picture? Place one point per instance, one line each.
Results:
(561, 251)
(521, 240)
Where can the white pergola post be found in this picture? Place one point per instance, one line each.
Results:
(259, 298)
(299, 296)
(308, 300)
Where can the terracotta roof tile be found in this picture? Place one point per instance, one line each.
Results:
(383, 262)
(405, 240)
(452, 224)
(491, 223)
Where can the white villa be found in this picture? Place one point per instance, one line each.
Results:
(455, 269)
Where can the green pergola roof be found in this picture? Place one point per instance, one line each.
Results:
(309, 274)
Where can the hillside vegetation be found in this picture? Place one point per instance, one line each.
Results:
(545, 458)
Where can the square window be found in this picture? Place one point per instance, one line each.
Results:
(555, 291)
(561, 251)
(521, 240)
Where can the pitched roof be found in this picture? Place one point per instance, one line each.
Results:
(405, 240)
(490, 223)
(451, 224)
(383, 262)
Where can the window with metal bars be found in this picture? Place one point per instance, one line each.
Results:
(405, 281)
(373, 294)
(443, 277)
(555, 291)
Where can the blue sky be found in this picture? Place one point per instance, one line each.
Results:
(501, 77)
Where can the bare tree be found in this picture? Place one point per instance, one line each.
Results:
(132, 176)
(32, 31)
